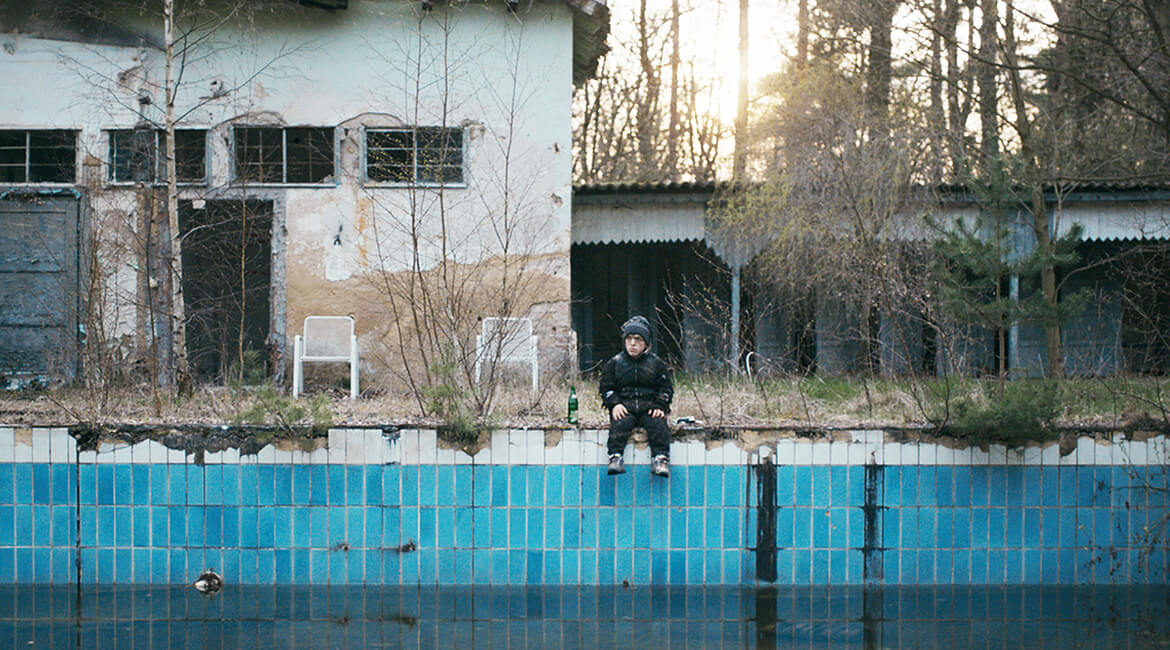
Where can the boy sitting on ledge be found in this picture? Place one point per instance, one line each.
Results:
(637, 390)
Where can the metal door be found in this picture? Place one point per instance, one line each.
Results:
(39, 287)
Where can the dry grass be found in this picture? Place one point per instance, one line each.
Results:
(713, 402)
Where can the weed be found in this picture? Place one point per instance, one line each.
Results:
(1024, 412)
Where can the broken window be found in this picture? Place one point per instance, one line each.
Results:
(139, 155)
(273, 154)
(425, 155)
(42, 156)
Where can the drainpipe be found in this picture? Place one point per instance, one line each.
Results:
(735, 271)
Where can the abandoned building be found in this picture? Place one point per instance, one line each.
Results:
(653, 249)
(396, 161)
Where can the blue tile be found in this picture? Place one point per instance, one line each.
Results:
(318, 569)
(32, 525)
(855, 485)
(265, 480)
(802, 527)
(784, 528)
(1014, 527)
(821, 527)
(516, 567)
(194, 489)
(552, 528)
(6, 482)
(212, 485)
(803, 487)
(355, 485)
(176, 526)
(373, 485)
(318, 484)
(623, 526)
(499, 484)
(927, 486)
(551, 567)
(535, 529)
(408, 524)
(820, 567)
(105, 526)
(213, 526)
(961, 477)
(890, 489)
(839, 528)
(141, 522)
(606, 528)
(293, 484)
(465, 527)
(461, 488)
(534, 481)
(318, 527)
(996, 527)
(266, 528)
(735, 484)
(553, 479)
(571, 567)
(838, 568)
(678, 527)
(61, 477)
(229, 484)
(391, 485)
(518, 486)
(64, 525)
(392, 527)
(927, 528)
(839, 486)
(981, 487)
(159, 485)
(497, 531)
(571, 527)
(248, 526)
(445, 527)
(643, 567)
(908, 522)
(909, 484)
(589, 526)
(944, 485)
(732, 528)
(105, 484)
(481, 479)
(785, 494)
(123, 484)
(336, 481)
(231, 526)
(296, 523)
(337, 532)
(499, 567)
(944, 528)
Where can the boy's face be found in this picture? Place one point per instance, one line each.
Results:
(635, 345)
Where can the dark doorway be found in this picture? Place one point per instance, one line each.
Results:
(227, 273)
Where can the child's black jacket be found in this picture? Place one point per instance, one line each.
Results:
(640, 384)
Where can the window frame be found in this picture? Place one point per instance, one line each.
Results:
(238, 179)
(414, 150)
(27, 165)
(159, 177)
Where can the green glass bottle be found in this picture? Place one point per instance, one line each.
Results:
(573, 405)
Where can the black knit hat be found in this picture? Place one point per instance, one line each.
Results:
(637, 325)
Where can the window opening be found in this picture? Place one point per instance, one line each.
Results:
(139, 155)
(284, 155)
(42, 156)
(425, 155)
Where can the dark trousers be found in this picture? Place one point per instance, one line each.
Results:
(657, 431)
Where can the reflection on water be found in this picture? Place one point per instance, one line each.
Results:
(65, 616)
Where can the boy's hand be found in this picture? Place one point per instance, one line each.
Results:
(619, 412)
(657, 413)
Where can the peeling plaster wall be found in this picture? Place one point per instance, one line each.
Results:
(505, 78)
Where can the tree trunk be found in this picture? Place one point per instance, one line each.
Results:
(672, 128)
(739, 161)
(178, 361)
(880, 67)
(988, 113)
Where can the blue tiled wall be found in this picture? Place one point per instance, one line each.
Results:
(573, 524)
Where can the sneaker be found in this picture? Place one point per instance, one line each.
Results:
(616, 466)
(660, 466)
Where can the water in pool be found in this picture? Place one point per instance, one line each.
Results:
(65, 616)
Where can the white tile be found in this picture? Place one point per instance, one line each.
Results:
(483, 456)
(7, 444)
(802, 452)
(820, 453)
(890, 453)
(123, 454)
(639, 455)
(87, 457)
(176, 456)
(1139, 453)
(909, 453)
(501, 442)
(1050, 455)
(741, 456)
(869, 436)
(838, 452)
(62, 446)
(517, 447)
(444, 456)
(1086, 451)
(861, 453)
(282, 456)
(696, 453)
(997, 455)
(1157, 449)
(979, 456)
(266, 455)
(785, 452)
(1033, 455)
(462, 457)
(961, 456)
(319, 456)
(408, 446)
(678, 452)
(534, 441)
(158, 452)
(927, 453)
(571, 447)
(376, 447)
(1015, 455)
(1070, 458)
(555, 455)
(355, 447)
(764, 452)
(944, 455)
(391, 449)
(598, 456)
(213, 458)
(22, 447)
(231, 456)
(428, 445)
(40, 445)
(337, 439)
(299, 456)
